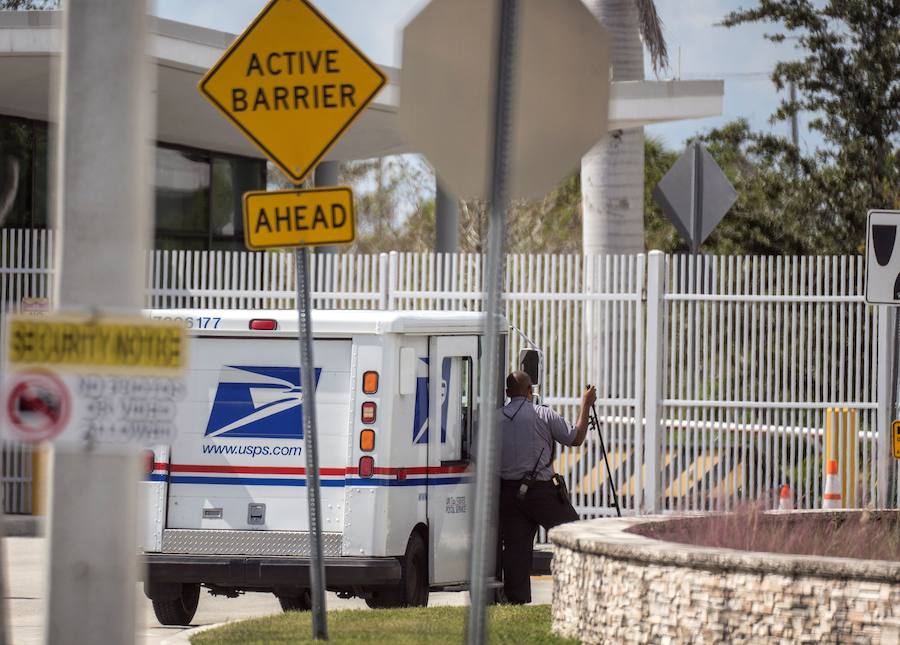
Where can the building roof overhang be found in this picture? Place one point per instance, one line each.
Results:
(30, 46)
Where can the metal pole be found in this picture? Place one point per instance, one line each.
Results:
(696, 218)
(102, 202)
(888, 472)
(308, 383)
(484, 533)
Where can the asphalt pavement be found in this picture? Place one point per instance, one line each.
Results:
(26, 559)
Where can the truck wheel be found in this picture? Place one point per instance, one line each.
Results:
(179, 610)
(301, 602)
(413, 588)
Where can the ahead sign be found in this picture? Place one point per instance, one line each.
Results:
(883, 258)
(284, 218)
(293, 84)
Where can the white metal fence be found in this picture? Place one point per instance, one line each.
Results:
(717, 376)
(26, 266)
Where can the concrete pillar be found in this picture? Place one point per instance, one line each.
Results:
(326, 174)
(446, 225)
(102, 202)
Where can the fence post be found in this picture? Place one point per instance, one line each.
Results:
(656, 280)
(885, 352)
(393, 277)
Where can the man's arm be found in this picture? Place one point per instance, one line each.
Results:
(581, 426)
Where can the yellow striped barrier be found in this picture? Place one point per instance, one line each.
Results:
(841, 444)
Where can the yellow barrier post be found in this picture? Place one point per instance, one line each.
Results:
(841, 444)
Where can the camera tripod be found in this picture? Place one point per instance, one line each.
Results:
(594, 422)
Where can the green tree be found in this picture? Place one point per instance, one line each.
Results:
(846, 77)
(24, 5)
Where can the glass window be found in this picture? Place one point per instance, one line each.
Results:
(182, 192)
(176, 243)
(231, 178)
(40, 217)
(16, 157)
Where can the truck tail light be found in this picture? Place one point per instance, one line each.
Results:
(367, 440)
(263, 324)
(366, 467)
(370, 382)
(368, 412)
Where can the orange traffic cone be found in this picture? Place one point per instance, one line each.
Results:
(832, 496)
(784, 499)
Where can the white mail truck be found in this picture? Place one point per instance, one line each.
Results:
(396, 409)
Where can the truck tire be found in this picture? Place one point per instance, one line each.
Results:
(301, 602)
(412, 591)
(179, 610)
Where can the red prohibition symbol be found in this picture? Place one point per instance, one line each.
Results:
(38, 406)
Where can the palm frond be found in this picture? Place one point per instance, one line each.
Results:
(651, 29)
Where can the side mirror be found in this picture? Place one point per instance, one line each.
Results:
(531, 361)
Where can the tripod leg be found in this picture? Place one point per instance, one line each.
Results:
(612, 483)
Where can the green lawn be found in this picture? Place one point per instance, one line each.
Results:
(508, 624)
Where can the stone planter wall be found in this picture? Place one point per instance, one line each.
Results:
(612, 586)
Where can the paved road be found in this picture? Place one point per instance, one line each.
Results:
(26, 559)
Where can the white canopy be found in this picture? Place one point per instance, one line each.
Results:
(30, 43)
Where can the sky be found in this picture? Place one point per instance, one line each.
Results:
(698, 50)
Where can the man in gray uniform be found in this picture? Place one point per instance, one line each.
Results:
(529, 494)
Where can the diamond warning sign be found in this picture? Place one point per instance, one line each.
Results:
(121, 345)
(292, 83)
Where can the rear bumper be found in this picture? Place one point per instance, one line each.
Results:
(258, 572)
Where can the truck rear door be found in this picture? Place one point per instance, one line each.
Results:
(453, 377)
(238, 466)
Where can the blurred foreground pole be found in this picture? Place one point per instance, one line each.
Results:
(102, 202)
(484, 532)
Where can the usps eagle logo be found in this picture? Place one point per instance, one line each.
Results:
(259, 403)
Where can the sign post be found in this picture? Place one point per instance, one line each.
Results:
(883, 288)
(504, 104)
(292, 84)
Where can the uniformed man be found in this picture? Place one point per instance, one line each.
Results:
(530, 494)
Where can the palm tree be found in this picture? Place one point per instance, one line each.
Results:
(612, 172)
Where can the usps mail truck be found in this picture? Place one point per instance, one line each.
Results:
(396, 409)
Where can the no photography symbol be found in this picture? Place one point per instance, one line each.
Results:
(38, 406)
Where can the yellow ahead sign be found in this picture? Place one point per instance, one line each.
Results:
(293, 84)
(895, 436)
(313, 217)
(78, 344)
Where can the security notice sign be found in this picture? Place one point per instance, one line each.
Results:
(292, 83)
(106, 381)
(287, 218)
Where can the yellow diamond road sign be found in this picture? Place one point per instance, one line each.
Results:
(283, 218)
(292, 83)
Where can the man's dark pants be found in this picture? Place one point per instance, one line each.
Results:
(519, 522)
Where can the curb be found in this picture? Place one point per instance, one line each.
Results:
(184, 637)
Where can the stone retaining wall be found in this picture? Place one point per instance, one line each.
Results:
(612, 586)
